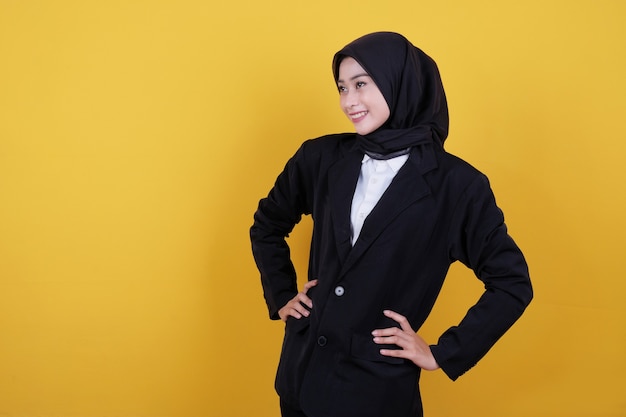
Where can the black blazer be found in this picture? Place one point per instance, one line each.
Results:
(437, 210)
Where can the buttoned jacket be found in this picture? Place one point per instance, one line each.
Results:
(437, 210)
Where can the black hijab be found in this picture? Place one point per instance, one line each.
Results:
(410, 83)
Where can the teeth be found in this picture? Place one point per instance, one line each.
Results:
(357, 115)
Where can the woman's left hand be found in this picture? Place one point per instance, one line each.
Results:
(412, 346)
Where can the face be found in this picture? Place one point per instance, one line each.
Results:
(360, 98)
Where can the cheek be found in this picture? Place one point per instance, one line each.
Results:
(342, 105)
(383, 109)
(386, 112)
(342, 101)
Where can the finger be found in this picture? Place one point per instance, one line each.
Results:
(300, 308)
(402, 340)
(298, 311)
(296, 307)
(389, 331)
(390, 340)
(402, 321)
(294, 313)
(309, 285)
(302, 298)
(395, 353)
(287, 312)
(303, 310)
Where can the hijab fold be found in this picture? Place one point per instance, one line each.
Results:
(409, 81)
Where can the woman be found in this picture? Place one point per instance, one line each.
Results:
(391, 210)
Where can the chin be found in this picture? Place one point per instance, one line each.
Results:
(364, 132)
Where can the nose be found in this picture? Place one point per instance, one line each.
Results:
(350, 98)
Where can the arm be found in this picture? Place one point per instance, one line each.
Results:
(275, 218)
(480, 240)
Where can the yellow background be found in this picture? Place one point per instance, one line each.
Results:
(136, 138)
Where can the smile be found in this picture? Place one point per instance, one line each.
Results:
(355, 117)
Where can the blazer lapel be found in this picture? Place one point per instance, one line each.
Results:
(342, 178)
(407, 187)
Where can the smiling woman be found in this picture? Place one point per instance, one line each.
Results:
(392, 210)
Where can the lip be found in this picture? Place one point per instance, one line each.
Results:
(356, 117)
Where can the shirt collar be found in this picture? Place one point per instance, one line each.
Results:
(394, 163)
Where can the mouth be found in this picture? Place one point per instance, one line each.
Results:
(358, 116)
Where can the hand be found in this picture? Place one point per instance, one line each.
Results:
(295, 307)
(413, 347)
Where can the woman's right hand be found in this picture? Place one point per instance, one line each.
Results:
(296, 306)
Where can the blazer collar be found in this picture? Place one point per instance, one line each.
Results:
(407, 187)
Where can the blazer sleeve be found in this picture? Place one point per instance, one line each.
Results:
(480, 240)
(275, 218)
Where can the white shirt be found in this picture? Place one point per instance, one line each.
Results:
(375, 177)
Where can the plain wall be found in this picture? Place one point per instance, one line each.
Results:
(136, 138)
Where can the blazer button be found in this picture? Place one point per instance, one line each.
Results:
(339, 291)
(322, 341)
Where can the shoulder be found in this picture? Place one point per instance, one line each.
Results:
(325, 149)
(459, 173)
(338, 142)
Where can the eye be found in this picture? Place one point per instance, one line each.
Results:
(341, 89)
(360, 84)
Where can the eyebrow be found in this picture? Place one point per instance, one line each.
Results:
(364, 74)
